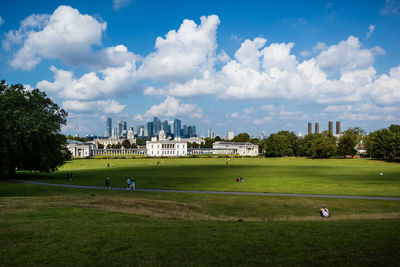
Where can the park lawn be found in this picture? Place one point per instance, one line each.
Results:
(360, 177)
(43, 225)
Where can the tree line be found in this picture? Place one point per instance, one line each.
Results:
(380, 144)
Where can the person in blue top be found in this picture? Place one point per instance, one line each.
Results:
(133, 183)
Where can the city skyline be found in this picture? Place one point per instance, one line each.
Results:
(236, 66)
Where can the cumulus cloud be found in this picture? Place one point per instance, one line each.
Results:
(66, 34)
(171, 107)
(184, 54)
(118, 4)
(1, 21)
(108, 82)
(104, 106)
(346, 56)
(386, 89)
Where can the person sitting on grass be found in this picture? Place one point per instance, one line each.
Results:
(324, 212)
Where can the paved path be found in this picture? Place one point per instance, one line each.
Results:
(208, 192)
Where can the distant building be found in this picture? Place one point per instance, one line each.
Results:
(239, 148)
(177, 128)
(230, 135)
(166, 148)
(80, 149)
(108, 131)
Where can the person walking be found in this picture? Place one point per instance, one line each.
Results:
(133, 184)
(108, 182)
(128, 182)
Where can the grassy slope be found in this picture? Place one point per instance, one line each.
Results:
(42, 225)
(282, 175)
(51, 226)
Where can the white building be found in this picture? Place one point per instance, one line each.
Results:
(166, 148)
(230, 135)
(242, 149)
(80, 149)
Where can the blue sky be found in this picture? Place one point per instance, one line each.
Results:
(245, 66)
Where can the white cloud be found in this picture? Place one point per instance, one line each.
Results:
(262, 120)
(320, 46)
(305, 53)
(171, 107)
(391, 7)
(233, 115)
(249, 53)
(1, 21)
(249, 110)
(107, 106)
(66, 35)
(386, 89)
(346, 56)
(184, 54)
(118, 4)
(108, 82)
(371, 29)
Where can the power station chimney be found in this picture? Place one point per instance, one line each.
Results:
(330, 127)
(338, 131)
(309, 128)
(316, 127)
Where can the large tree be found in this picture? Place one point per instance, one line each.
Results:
(385, 143)
(348, 141)
(30, 131)
(283, 143)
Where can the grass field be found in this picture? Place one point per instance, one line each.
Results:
(42, 225)
(278, 175)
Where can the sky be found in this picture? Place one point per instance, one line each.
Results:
(243, 66)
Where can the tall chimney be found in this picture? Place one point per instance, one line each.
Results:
(330, 127)
(316, 127)
(309, 128)
(338, 131)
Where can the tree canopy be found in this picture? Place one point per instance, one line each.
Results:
(30, 131)
(242, 137)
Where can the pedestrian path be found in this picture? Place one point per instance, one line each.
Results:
(208, 192)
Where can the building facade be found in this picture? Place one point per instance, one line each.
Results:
(240, 148)
(166, 148)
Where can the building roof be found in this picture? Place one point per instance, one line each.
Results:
(235, 143)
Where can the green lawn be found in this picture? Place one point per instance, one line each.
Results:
(278, 175)
(44, 225)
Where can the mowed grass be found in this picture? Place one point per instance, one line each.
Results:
(278, 175)
(42, 225)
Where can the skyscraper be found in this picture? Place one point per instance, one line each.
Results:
(150, 130)
(177, 128)
(330, 127)
(156, 126)
(108, 132)
(317, 127)
(309, 128)
(119, 128)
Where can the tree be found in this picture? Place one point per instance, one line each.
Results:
(242, 137)
(30, 131)
(283, 143)
(126, 144)
(217, 138)
(385, 143)
(348, 141)
(324, 145)
(100, 146)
